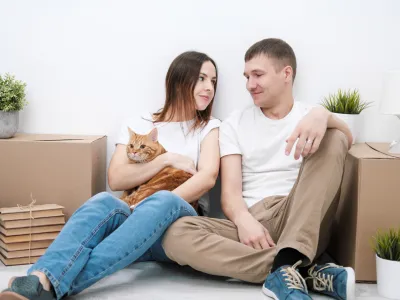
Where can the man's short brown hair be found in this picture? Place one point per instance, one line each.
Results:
(276, 49)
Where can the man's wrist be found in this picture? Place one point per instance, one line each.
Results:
(329, 115)
(239, 216)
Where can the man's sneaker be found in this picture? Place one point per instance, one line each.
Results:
(26, 287)
(332, 280)
(286, 283)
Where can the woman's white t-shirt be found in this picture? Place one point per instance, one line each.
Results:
(173, 136)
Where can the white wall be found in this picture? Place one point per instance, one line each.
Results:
(90, 63)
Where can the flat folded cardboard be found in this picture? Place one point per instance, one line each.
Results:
(31, 219)
(369, 200)
(25, 245)
(22, 253)
(28, 237)
(36, 211)
(34, 222)
(25, 240)
(18, 260)
(29, 230)
(61, 169)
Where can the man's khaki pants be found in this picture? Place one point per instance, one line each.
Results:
(301, 220)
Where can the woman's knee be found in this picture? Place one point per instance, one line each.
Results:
(166, 202)
(107, 201)
(166, 198)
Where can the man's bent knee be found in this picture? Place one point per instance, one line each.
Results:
(336, 137)
(334, 142)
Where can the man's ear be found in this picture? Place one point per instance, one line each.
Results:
(288, 72)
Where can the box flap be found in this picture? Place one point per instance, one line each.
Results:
(383, 148)
(29, 137)
(11, 210)
(366, 151)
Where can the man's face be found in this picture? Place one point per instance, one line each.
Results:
(265, 82)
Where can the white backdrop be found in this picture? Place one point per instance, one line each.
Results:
(88, 64)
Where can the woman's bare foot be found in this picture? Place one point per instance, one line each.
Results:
(43, 280)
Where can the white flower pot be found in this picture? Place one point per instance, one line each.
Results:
(388, 278)
(352, 121)
(8, 124)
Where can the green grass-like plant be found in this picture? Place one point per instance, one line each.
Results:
(12, 94)
(345, 102)
(386, 244)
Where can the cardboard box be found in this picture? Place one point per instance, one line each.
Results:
(369, 200)
(60, 169)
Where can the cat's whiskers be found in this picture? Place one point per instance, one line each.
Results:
(139, 159)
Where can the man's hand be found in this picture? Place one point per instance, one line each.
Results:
(308, 133)
(252, 233)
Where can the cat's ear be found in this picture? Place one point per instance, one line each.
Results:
(131, 132)
(153, 135)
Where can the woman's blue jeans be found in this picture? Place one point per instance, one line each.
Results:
(103, 237)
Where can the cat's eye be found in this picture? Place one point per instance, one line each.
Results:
(130, 145)
(142, 146)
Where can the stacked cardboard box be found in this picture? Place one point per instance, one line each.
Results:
(369, 201)
(26, 232)
(60, 169)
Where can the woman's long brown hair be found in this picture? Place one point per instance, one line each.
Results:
(180, 82)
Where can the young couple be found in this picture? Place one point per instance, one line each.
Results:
(281, 170)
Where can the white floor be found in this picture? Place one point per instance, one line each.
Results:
(153, 281)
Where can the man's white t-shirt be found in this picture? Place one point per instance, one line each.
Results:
(173, 136)
(266, 170)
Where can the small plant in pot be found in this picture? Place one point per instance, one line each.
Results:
(386, 245)
(12, 100)
(347, 106)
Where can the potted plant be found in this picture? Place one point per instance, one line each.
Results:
(12, 100)
(347, 106)
(386, 245)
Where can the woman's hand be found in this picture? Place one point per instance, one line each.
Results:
(180, 162)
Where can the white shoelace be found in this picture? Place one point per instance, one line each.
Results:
(293, 278)
(321, 281)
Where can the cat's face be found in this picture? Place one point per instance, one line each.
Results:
(142, 148)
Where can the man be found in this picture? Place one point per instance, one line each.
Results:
(280, 206)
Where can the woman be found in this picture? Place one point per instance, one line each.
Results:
(103, 235)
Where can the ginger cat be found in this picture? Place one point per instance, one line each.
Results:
(145, 148)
